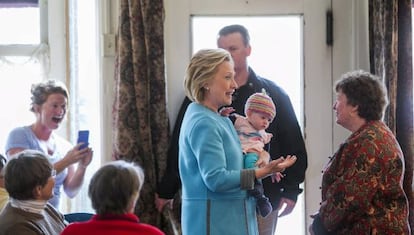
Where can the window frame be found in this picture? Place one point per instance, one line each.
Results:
(30, 49)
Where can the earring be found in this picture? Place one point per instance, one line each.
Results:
(207, 88)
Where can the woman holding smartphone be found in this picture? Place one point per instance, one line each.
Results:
(49, 104)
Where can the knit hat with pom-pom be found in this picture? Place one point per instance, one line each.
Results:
(260, 102)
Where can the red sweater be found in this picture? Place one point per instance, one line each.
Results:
(127, 224)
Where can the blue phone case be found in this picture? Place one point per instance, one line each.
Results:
(83, 136)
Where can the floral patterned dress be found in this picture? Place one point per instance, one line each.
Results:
(362, 185)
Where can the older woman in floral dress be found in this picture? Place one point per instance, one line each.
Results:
(362, 183)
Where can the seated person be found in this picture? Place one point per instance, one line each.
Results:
(4, 196)
(114, 190)
(29, 180)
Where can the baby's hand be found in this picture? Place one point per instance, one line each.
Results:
(226, 111)
(277, 177)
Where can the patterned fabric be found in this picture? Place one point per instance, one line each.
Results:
(141, 130)
(391, 59)
(362, 185)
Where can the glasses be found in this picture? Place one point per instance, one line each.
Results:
(53, 174)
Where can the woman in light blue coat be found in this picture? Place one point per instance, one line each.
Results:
(214, 183)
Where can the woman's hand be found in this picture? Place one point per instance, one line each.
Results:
(275, 166)
(280, 166)
(287, 162)
(87, 158)
(83, 156)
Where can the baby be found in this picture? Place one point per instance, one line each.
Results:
(260, 112)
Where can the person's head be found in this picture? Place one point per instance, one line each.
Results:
(3, 161)
(236, 40)
(260, 110)
(29, 175)
(115, 187)
(359, 95)
(210, 78)
(49, 102)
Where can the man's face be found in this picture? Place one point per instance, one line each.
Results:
(234, 44)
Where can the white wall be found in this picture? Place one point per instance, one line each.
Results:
(57, 40)
(109, 23)
(351, 50)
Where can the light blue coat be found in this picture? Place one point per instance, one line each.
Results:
(210, 163)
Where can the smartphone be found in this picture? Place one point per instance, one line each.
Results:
(83, 136)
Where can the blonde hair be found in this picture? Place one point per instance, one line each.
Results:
(202, 68)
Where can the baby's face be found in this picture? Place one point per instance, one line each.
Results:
(258, 120)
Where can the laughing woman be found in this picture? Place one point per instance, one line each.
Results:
(49, 104)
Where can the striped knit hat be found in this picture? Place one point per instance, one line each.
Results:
(260, 102)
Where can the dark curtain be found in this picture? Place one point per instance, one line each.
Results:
(140, 121)
(391, 59)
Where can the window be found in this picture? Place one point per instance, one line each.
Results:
(12, 33)
(84, 89)
(24, 60)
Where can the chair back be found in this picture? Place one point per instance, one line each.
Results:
(78, 217)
